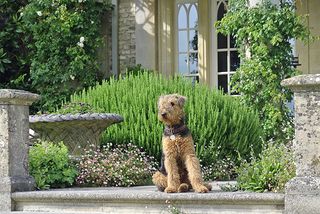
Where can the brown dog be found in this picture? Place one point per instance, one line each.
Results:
(180, 170)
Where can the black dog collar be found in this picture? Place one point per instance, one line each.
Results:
(180, 129)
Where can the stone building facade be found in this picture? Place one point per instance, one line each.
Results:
(148, 32)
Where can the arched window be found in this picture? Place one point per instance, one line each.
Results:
(187, 38)
(228, 56)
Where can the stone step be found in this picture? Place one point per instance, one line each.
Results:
(145, 199)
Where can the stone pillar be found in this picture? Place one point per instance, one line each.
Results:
(126, 34)
(303, 191)
(14, 136)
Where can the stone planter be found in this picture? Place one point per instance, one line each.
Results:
(77, 131)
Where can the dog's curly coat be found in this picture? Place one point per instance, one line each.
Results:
(180, 170)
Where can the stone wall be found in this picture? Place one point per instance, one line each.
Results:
(146, 33)
(309, 52)
(126, 34)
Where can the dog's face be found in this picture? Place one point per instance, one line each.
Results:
(170, 109)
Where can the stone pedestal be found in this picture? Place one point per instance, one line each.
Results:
(14, 136)
(303, 191)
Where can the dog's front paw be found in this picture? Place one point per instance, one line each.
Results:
(201, 189)
(171, 190)
(209, 186)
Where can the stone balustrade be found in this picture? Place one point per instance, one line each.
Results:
(303, 191)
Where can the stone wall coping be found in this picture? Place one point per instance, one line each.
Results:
(148, 193)
(308, 82)
(17, 97)
(71, 117)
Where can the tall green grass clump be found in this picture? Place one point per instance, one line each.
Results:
(270, 171)
(217, 121)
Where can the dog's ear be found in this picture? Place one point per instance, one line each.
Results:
(181, 100)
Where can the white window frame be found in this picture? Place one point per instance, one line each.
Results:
(176, 19)
(215, 50)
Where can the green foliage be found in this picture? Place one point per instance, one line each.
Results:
(264, 32)
(118, 165)
(14, 67)
(215, 120)
(50, 165)
(269, 172)
(134, 69)
(64, 37)
(77, 108)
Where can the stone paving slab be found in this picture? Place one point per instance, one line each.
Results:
(148, 193)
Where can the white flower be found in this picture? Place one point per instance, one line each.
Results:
(81, 39)
(80, 44)
(39, 13)
(92, 22)
(72, 77)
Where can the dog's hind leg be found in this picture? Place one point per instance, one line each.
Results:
(185, 185)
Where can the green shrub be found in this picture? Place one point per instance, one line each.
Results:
(269, 172)
(50, 165)
(215, 120)
(75, 108)
(119, 165)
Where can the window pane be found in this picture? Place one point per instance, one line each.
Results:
(222, 41)
(221, 11)
(193, 17)
(193, 36)
(193, 60)
(182, 17)
(232, 42)
(234, 60)
(183, 66)
(223, 83)
(183, 43)
(222, 61)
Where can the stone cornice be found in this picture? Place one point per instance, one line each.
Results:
(309, 82)
(17, 97)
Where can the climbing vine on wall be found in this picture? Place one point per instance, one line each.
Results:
(263, 34)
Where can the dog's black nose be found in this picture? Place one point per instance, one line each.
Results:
(164, 114)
